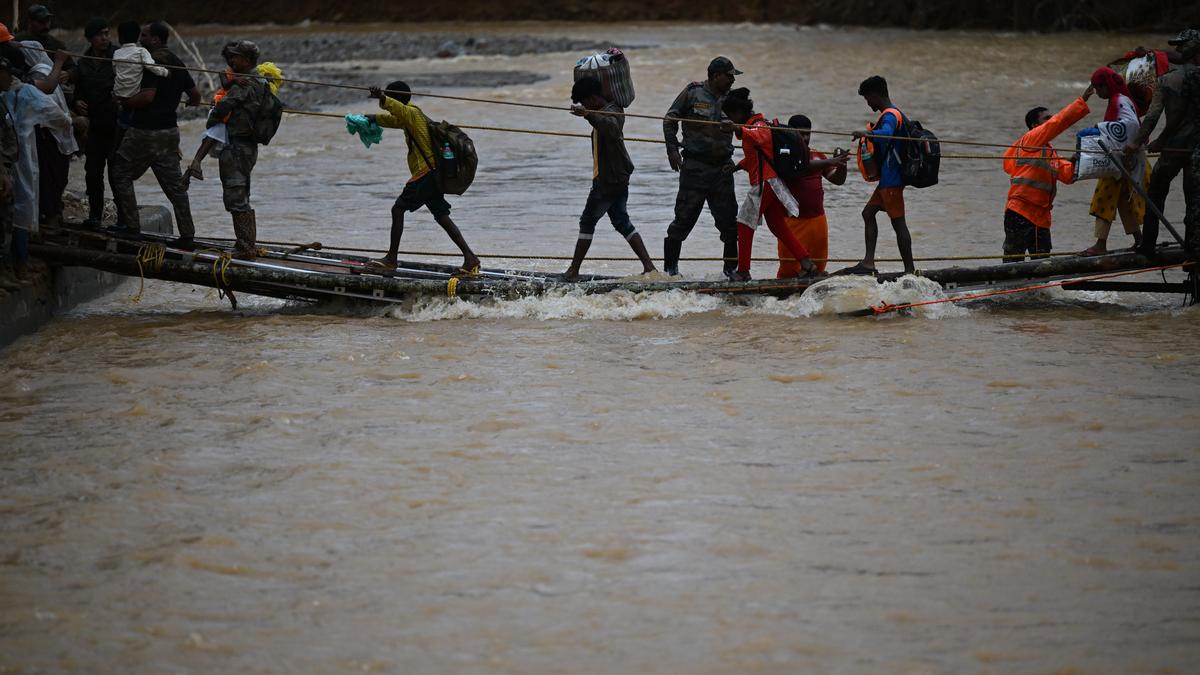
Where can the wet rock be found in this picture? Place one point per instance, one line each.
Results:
(321, 57)
(449, 49)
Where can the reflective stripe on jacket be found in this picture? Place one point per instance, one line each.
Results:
(1035, 168)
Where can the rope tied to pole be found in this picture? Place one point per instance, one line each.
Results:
(147, 254)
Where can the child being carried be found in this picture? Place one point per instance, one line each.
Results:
(130, 61)
(217, 134)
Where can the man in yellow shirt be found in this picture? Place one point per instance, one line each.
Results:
(422, 189)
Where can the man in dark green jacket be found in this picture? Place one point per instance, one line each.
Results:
(706, 164)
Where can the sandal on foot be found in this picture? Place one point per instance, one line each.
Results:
(378, 264)
(464, 272)
(1092, 251)
(858, 269)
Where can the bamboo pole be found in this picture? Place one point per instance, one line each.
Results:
(281, 283)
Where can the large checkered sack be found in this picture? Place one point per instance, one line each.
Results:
(612, 69)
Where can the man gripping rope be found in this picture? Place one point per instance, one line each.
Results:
(1180, 134)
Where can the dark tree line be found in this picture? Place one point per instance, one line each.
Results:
(1023, 15)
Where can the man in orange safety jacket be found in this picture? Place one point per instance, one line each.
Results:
(1035, 169)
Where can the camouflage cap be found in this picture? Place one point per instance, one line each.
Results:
(40, 12)
(722, 65)
(244, 48)
(1186, 37)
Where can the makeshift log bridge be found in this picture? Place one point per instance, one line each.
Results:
(305, 274)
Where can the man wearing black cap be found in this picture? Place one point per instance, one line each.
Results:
(1180, 135)
(94, 99)
(39, 21)
(706, 166)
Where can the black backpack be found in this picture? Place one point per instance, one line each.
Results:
(921, 157)
(268, 117)
(790, 155)
(456, 176)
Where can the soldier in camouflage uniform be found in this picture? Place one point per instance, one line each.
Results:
(246, 96)
(8, 176)
(1177, 138)
(1191, 183)
(706, 167)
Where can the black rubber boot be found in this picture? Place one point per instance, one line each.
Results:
(671, 248)
(95, 218)
(246, 231)
(730, 256)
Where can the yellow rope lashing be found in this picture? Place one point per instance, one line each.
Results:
(147, 254)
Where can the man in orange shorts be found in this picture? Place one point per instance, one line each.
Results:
(810, 226)
(889, 194)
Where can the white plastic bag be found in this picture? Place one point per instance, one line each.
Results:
(1091, 161)
(750, 213)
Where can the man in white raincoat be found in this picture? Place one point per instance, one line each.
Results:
(29, 107)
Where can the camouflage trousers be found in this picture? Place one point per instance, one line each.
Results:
(236, 163)
(1191, 191)
(157, 150)
(699, 183)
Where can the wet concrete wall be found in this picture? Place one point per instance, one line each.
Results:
(25, 311)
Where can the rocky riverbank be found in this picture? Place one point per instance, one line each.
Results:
(336, 56)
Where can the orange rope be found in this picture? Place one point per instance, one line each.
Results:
(885, 308)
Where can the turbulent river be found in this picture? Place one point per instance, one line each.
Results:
(667, 483)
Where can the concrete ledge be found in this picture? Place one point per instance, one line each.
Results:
(25, 311)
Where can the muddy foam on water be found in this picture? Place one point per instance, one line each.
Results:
(666, 482)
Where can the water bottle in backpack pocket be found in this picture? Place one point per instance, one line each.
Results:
(868, 161)
(449, 163)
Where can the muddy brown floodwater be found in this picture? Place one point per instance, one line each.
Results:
(663, 483)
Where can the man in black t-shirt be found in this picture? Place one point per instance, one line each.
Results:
(152, 141)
